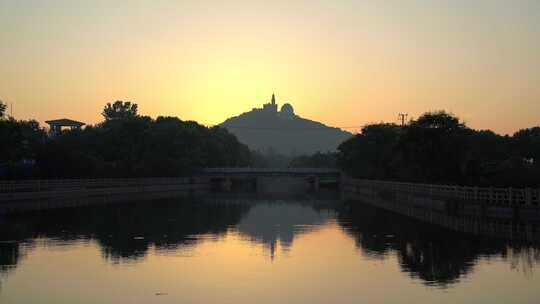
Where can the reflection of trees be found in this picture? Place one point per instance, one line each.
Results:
(129, 232)
(10, 255)
(124, 232)
(435, 255)
(11, 251)
(524, 259)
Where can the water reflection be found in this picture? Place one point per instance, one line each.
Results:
(280, 221)
(435, 255)
(127, 233)
(10, 254)
(124, 232)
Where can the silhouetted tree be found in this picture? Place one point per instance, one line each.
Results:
(141, 147)
(439, 148)
(368, 154)
(2, 109)
(269, 158)
(527, 143)
(435, 148)
(20, 139)
(20, 142)
(120, 110)
(317, 160)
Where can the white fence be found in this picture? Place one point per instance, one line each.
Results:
(488, 195)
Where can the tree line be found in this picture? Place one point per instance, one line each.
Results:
(439, 148)
(125, 144)
(435, 148)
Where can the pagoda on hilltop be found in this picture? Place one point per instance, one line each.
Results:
(271, 106)
(286, 111)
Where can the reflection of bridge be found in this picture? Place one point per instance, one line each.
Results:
(270, 179)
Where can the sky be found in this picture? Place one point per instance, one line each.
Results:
(344, 63)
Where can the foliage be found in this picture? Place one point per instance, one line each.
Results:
(439, 148)
(3, 108)
(133, 146)
(368, 151)
(141, 147)
(120, 110)
(527, 142)
(269, 158)
(20, 139)
(317, 160)
(20, 142)
(435, 148)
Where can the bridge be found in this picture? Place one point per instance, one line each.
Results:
(274, 180)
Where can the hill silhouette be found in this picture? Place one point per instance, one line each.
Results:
(268, 130)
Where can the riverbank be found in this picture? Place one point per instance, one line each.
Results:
(23, 196)
(512, 214)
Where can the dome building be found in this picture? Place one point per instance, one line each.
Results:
(286, 111)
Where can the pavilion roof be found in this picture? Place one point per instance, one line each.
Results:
(64, 122)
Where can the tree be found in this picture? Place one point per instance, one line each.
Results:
(3, 107)
(20, 142)
(317, 160)
(369, 153)
(120, 110)
(140, 147)
(527, 143)
(436, 148)
(439, 120)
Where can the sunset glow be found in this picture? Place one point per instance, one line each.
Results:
(344, 63)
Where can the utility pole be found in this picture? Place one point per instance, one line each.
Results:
(403, 118)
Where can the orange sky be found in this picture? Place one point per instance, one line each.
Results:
(344, 63)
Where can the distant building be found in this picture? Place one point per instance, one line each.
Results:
(286, 111)
(271, 106)
(55, 126)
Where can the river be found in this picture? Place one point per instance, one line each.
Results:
(254, 251)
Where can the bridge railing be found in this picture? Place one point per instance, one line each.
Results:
(271, 170)
(489, 195)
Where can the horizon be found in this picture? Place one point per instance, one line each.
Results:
(350, 129)
(207, 61)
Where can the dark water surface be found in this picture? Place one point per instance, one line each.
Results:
(254, 251)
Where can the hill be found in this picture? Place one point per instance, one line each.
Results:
(269, 130)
